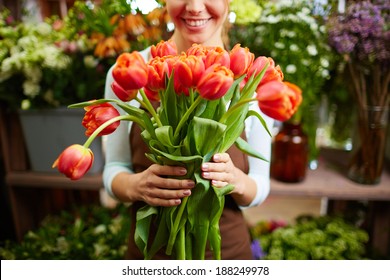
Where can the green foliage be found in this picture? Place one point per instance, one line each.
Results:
(315, 238)
(87, 233)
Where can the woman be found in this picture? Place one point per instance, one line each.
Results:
(130, 177)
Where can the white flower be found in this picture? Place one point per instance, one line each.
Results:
(33, 73)
(324, 62)
(90, 61)
(291, 68)
(99, 229)
(44, 29)
(30, 88)
(279, 45)
(294, 47)
(312, 50)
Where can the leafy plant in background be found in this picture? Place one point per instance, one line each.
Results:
(86, 233)
(58, 62)
(293, 33)
(313, 238)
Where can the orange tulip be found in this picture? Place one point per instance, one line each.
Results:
(279, 100)
(130, 71)
(188, 70)
(74, 161)
(96, 115)
(240, 60)
(197, 50)
(158, 69)
(215, 82)
(217, 55)
(164, 48)
(273, 73)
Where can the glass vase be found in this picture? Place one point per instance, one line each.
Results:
(368, 153)
(290, 154)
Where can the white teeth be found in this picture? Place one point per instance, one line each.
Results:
(196, 23)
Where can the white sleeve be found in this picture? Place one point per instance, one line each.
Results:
(117, 144)
(260, 140)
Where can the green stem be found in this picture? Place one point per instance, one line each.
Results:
(181, 250)
(235, 107)
(174, 231)
(146, 103)
(185, 116)
(107, 123)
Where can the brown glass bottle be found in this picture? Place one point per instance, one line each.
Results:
(289, 154)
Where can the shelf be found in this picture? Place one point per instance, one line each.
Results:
(29, 179)
(328, 181)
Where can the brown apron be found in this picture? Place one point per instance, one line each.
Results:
(233, 228)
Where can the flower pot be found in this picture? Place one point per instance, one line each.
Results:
(48, 132)
(366, 164)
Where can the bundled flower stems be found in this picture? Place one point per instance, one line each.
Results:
(204, 96)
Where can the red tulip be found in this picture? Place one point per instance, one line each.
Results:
(215, 82)
(74, 161)
(151, 95)
(188, 70)
(164, 48)
(130, 71)
(96, 115)
(279, 100)
(122, 94)
(240, 60)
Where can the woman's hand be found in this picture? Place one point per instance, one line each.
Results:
(154, 188)
(222, 172)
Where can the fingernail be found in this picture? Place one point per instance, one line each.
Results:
(216, 157)
(206, 174)
(205, 166)
(186, 192)
(182, 171)
(190, 184)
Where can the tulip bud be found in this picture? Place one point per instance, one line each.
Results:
(96, 115)
(240, 60)
(122, 94)
(158, 69)
(74, 161)
(279, 100)
(217, 55)
(273, 73)
(130, 71)
(215, 82)
(164, 48)
(188, 70)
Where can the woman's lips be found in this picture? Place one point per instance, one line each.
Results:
(196, 22)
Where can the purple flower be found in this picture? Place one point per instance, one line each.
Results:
(362, 32)
(257, 251)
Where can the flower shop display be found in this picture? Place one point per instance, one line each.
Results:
(293, 33)
(310, 238)
(83, 233)
(205, 95)
(361, 37)
(48, 65)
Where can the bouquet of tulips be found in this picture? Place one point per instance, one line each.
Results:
(204, 96)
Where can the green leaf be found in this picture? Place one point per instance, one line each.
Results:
(207, 134)
(261, 119)
(164, 134)
(143, 221)
(246, 148)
